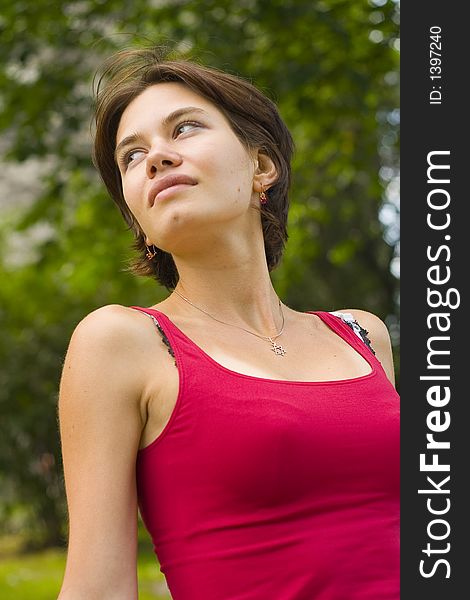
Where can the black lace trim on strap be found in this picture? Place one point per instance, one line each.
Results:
(362, 332)
(164, 338)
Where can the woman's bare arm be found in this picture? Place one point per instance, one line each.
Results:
(101, 419)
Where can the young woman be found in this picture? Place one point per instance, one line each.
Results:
(261, 444)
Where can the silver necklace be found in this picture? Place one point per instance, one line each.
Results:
(276, 348)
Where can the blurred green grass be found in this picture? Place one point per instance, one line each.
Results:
(38, 575)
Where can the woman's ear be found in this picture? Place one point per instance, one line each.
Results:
(265, 174)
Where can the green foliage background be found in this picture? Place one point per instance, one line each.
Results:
(332, 68)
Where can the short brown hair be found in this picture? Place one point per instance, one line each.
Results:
(253, 117)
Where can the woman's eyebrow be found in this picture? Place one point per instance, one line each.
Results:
(180, 112)
(176, 114)
(127, 141)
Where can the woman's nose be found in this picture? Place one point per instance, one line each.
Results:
(159, 159)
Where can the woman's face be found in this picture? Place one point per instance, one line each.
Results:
(169, 130)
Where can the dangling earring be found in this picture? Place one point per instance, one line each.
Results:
(150, 254)
(262, 196)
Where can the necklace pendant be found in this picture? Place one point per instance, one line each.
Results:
(277, 349)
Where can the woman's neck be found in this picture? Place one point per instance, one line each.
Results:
(242, 295)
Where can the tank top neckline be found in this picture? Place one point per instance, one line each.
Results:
(363, 351)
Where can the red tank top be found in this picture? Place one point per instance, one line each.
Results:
(262, 489)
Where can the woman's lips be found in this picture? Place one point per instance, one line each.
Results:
(161, 188)
(172, 190)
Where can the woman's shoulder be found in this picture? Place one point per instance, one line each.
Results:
(113, 336)
(110, 317)
(376, 331)
(109, 350)
(101, 374)
(124, 331)
(111, 324)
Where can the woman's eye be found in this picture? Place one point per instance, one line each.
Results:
(181, 126)
(130, 157)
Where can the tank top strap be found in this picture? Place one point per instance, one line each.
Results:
(169, 334)
(346, 326)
